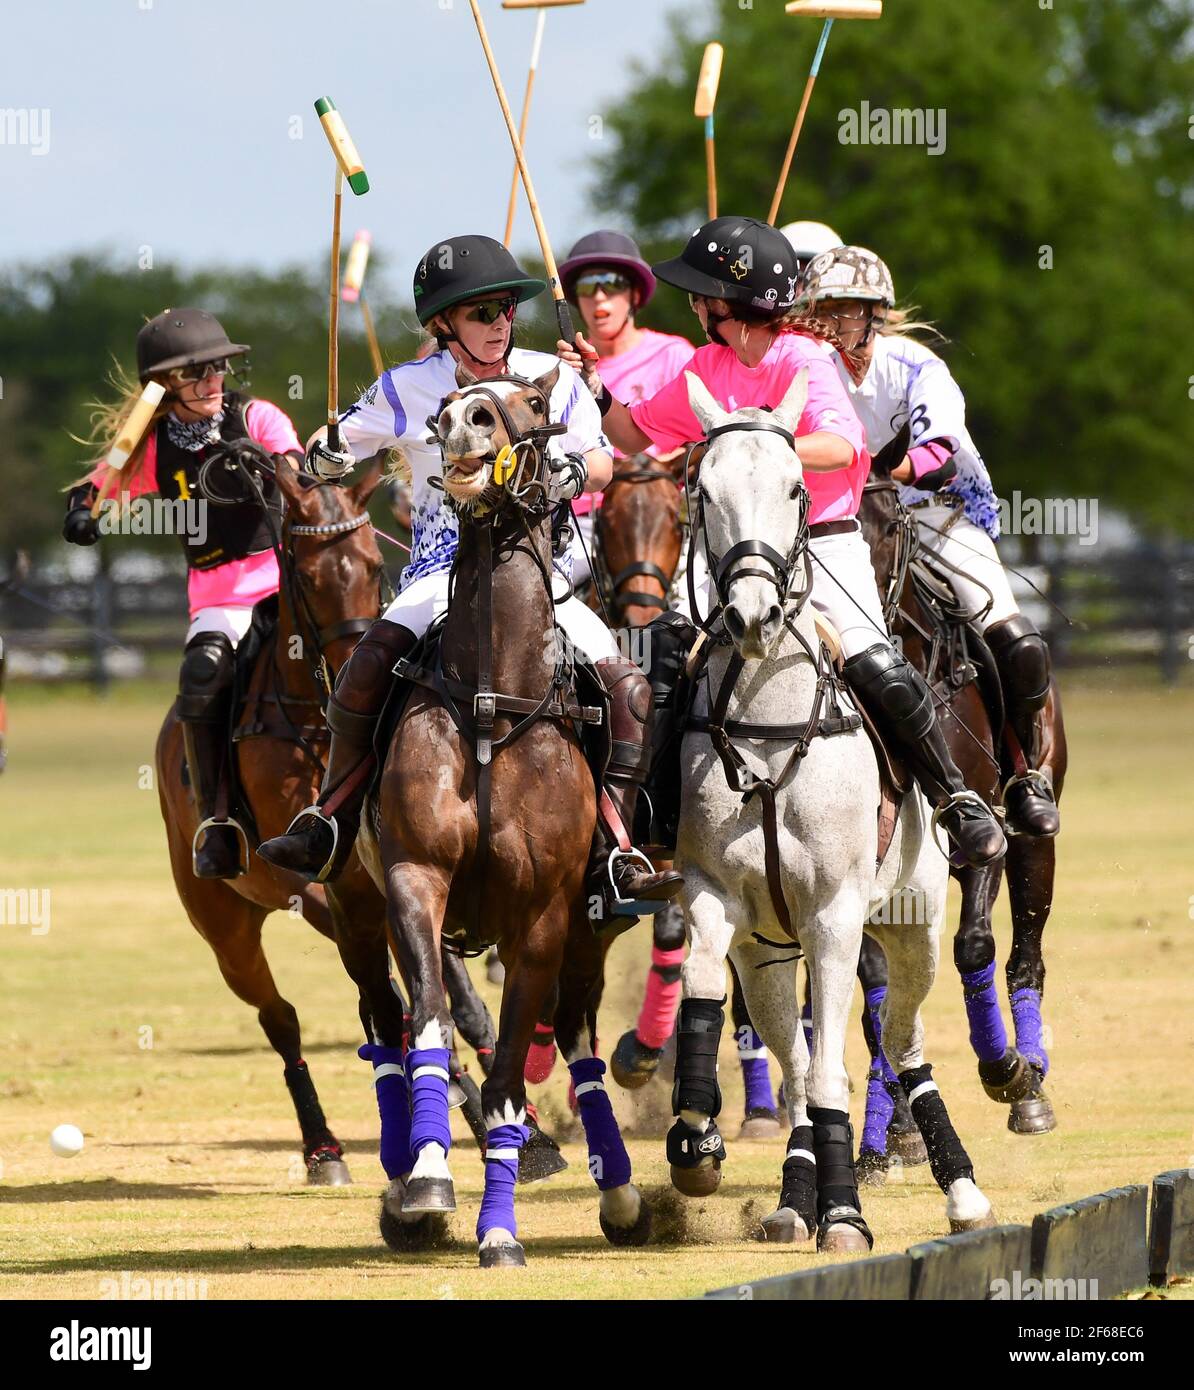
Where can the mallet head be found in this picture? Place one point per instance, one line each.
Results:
(836, 9)
(710, 76)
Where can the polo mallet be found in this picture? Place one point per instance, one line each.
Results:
(541, 6)
(828, 10)
(351, 292)
(706, 100)
(348, 166)
(130, 434)
(563, 315)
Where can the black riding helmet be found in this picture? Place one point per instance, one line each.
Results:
(738, 259)
(182, 338)
(464, 267)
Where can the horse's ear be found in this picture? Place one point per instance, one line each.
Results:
(791, 408)
(704, 407)
(547, 382)
(363, 490)
(287, 477)
(464, 377)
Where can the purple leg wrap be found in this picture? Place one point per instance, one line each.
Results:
(987, 1034)
(609, 1163)
(879, 1109)
(874, 999)
(756, 1074)
(393, 1105)
(502, 1144)
(427, 1076)
(1026, 1014)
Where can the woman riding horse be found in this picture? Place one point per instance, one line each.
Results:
(741, 278)
(895, 380)
(467, 291)
(230, 558)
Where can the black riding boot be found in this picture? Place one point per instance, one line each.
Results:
(1023, 661)
(319, 841)
(629, 884)
(204, 690)
(901, 705)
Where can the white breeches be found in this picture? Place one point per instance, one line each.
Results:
(844, 590)
(426, 599)
(970, 557)
(232, 622)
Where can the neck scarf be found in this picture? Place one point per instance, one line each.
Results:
(193, 435)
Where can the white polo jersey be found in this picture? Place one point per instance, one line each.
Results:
(908, 382)
(393, 413)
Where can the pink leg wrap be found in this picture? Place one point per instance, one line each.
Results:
(657, 1017)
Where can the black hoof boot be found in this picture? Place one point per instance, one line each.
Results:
(1034, 1113)
(633, 1063)
(1009, 1079)
(326, 1168)
(623, 1237)
(539, 1157)
(695, 1158)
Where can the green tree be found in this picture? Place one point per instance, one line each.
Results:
(1049, 240)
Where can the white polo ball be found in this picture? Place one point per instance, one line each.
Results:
(67, 1141)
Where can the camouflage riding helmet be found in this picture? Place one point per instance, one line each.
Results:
(848, 272)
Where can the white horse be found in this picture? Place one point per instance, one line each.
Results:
(752, 509)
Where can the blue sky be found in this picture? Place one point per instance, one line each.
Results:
(170, 122)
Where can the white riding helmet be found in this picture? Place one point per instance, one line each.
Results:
(848, 272)
(809, 239)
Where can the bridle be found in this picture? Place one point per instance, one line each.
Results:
(613, 600)
(780, 568)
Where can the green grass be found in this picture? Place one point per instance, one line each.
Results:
(192, 1162)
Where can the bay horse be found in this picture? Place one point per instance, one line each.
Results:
(331, 591)
(486, 812)
(778, 844)
(960, 669)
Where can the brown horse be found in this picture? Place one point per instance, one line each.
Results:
(966, 688)
(637, 536)
(487, 811)
(332, 572)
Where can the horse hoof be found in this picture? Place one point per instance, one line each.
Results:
(871, 1168)
(842, 1240)
(975, 1223)
(623, 1236)
(326, 1169)
(908, 1146)
(424, 1195)
(633, 1064)
(784, 1227)
(761, 1124)
(1032, 1115)
(502, 1256)
(456, 1095)
(540, 1158)
(402, 1234)
(1008, 1080)
(701, 1181)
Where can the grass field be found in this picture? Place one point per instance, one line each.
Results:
(115, 1019)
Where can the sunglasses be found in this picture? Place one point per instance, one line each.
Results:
(490, 311)
(611, 281)
(198, 371)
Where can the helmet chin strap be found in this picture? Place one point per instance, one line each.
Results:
(713, 324)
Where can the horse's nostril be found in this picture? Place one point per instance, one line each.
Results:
(481, 417)
(734, 624)
(775, 616)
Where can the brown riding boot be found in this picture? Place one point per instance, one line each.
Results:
(630, 884)
(319, 840)
(1024, 670)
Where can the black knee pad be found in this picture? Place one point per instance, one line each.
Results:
(1023, 659)
(698, 1033)
(893, 689)
(205, 678)
(948, 1159)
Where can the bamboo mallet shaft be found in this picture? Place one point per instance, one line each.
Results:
(706, 101)
(522, 123)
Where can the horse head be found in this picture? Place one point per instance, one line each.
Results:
(639, 532)
(332, 565)
(482, 418)
(752, 512)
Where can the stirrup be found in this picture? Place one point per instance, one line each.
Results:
(316, 813)
(630, 907)
(1032, 775)
(242, 863)
(965, 797)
